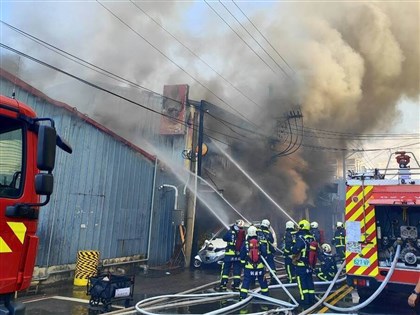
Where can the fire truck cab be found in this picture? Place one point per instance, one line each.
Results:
(27, 157)
(382, 211)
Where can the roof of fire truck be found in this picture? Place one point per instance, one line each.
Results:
(391, 186)
(10, 104)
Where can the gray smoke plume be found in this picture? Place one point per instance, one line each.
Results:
(352, 63)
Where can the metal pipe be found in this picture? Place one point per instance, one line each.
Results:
(152, 205)
(176, 193)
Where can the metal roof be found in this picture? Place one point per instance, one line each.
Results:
(104, 193)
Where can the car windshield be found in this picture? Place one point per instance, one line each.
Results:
(11, 157)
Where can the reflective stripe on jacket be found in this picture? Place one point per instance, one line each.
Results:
(302, 247)
(339, 238)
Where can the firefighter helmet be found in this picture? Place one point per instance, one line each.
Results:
(252, 231)
(265, 223)
(314, 225)
(290, 225)
(326, 248)
(304, 225)
(240, 223)
(339, 224)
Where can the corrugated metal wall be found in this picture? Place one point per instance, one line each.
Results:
(103, 195)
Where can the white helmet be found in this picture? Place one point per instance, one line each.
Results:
(290, 225)
(265, 223)
(252, 231)
(314, 225)
(326, 248)
(240, 223)
(339, 224)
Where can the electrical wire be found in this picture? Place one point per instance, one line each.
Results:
(107, 73)
(307, 131)
(112, 93)
(173, 62)
(195, 55)
(225, 122)
(83, 62)
(97, 69)
(246, 30)
(250, 21)
(249, 46)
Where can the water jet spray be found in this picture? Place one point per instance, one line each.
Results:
(252, 180)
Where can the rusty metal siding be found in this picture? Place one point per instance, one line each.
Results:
(102, 195)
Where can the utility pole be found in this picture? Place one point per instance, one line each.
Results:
(200, 137)
(191, 196)
(195, 167)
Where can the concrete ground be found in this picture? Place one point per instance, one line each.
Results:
(63, 298)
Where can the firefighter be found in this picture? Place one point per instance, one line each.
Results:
(289, 241)
(253, 265)
(339, 241)
(266, 239)
(315, 231)
(328, 267)
(234, 238)
(301, 258)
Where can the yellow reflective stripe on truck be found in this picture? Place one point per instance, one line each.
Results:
(19, 229)
(361, 254)
(4, 248)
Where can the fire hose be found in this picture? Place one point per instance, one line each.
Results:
(307, 311)
(280, 283)
(376, 293)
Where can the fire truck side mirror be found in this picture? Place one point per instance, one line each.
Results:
(44, 184)
(46, 148)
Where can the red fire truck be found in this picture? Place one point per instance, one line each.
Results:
(383, 210)
(27, 157)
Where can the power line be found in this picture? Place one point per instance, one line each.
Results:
(173, 62)
(80, 61)
(312, 133)
(226, 123)
(195, 55)
(355, 134)
(263, 36)
(111, 93)
(334, 135)
(95, 68)
(355, 150)
(240, 37)
(281, 68)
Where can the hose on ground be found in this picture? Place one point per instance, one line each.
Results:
(189, 296)
(334, 280)
(280, 283)
(376, 293)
